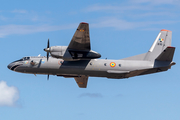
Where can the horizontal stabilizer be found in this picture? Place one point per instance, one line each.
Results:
(167, 54)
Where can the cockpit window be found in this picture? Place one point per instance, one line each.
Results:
(26, 58)
(23, 59)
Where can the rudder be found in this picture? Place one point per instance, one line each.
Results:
(167, 54)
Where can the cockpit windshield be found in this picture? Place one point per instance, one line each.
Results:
(26, 58)
(23, 59)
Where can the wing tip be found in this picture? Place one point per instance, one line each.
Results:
(165, 30)
(84, 23)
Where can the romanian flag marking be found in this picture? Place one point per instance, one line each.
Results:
(160, 39)
(112, 64)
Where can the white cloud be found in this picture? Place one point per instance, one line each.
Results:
(3, 18)
(121, 24)
(155, 14)
(8, 94)
(115, 8)
(29, 29)
(137, 6)
(19, 11)
(115, 23)
(156, 2)
(133, 14)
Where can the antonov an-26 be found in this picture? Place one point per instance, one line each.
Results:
(78, 61)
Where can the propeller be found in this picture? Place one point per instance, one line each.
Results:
(47, 50)
(48, 77)
(40, 63)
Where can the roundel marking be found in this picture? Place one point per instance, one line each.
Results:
(112, 64)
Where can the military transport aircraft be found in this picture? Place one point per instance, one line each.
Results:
(78, 61)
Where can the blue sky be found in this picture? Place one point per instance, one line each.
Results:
(118, 29)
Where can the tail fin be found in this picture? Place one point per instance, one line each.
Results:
(162, 41)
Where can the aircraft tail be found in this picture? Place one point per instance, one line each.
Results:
(161, 43)
(160, 50)
(167, 54)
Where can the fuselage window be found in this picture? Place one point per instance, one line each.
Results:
(26, 58)
(104, 64)
(119, 65)
(90, 63)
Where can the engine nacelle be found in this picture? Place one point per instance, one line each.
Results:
(72, 55)
(57, 51)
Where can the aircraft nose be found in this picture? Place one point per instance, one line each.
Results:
(10, 66)
(14, 65)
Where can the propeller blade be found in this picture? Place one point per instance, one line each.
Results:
(48, 44)
(47, 50)
(40, 63)
(48, 77)
(47, 56)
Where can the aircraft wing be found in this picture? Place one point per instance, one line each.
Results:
(82, 81)
(81, 39)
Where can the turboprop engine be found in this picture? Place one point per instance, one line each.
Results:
(64, 53)
(56, 51)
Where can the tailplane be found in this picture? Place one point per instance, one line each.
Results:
(167, 54)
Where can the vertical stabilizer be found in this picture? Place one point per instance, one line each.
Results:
(162, 41)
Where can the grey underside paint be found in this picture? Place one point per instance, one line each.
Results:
(94, 68)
